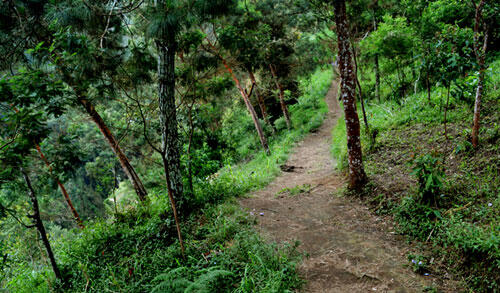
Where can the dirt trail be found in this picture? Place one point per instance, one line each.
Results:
(349, 249)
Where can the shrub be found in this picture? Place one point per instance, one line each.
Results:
(430, 174)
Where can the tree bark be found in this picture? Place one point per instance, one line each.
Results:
(39, 225)
(169, 134)
(172, 202)
(113, 143)
(63, 189)
(260, 101)
(168, 118)
(357, 175)
(258, 127)
(281, 94)
(480, 57)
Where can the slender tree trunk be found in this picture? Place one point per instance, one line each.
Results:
(260, 101)
(377, 67)
(377, 79)
(480, 56)
(477, 109)
(281, 93)
(258, 127)
(357, 175)
(62, 188)
(400, 80)
(428, 85)
(39, 225)
(361, 100)
(124, 161)
(446, 110)
(189, 164)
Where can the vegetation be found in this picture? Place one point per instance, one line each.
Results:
(151, 117)
(424, 170)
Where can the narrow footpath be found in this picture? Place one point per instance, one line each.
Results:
(348, 248)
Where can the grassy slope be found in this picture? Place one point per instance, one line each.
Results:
(462, 233)
(137, 250)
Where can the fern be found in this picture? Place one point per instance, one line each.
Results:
(172, 281)
(209, 280)
(212, 280)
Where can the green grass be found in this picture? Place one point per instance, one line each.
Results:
(137, 250)
(307, 115)
(339, 144)
(463, 225)
(293, 191)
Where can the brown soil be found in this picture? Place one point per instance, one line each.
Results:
(348, 248)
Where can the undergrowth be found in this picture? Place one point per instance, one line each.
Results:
(440, 191)
(136, 250)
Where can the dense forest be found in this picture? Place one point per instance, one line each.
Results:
(215, 145)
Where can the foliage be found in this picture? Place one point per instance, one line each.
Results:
(463, 226)
(392, 39)
(116, 252)
(430, 174)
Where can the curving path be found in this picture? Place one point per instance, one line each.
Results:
(349, 249)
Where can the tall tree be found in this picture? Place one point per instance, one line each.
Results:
(168, 19)
(357, 175)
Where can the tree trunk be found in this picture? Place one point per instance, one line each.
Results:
(124, 161)
(172, 202)
(189, 164)
(170, 151)
(428, 85)
(357, 176)
(63, 190)
(480, 57)
(477, 109)
(377, 79)
(446, 110)
(281, 93)
(377, 67)
(258, 127)
(168, 118)
(260, 101)
(39, 225)
(362, 102)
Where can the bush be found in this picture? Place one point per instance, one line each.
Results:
(430, 174)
